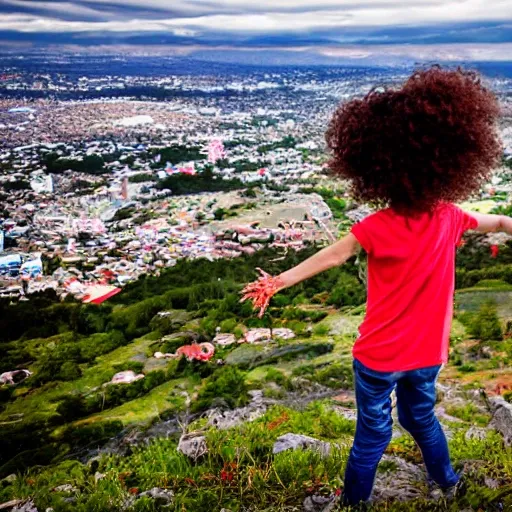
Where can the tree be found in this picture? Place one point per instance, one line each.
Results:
(486, 324)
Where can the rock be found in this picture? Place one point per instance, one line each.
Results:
(491, 483)
(345, 397)
(14, 377)
(245, 355)
(162, 497)
(262, 335)
(224, 339)
(402, 483)
(259, 335)
(10, 504)
(193, 445)
(65, 488)
(126, 377)
(295, 441)
(99, 476)
(476, 433)
(320, 503)
(346, 412)
(502, 418)
(10, 478)
(26, 506)
(231, 418)
(256, 397)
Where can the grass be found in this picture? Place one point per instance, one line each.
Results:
(470, 414)
(240, 472)
(470, 299)
(42, 402)
(145, 408)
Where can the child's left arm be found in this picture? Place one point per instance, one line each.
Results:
(261, 291)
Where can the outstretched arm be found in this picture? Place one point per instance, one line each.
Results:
(262, 290)
(491, 223)
(332, 256)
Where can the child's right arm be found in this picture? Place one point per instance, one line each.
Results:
(491, 223)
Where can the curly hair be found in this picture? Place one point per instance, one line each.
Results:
(434, 139)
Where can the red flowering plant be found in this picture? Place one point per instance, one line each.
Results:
(228, 472)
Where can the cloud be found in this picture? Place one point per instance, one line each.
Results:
(269, 23)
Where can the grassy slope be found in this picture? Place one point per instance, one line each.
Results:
(257, 479)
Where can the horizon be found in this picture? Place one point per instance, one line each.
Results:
(381, 31)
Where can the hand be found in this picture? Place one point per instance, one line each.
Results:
(261, 291)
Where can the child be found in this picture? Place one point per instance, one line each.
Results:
(413, 152)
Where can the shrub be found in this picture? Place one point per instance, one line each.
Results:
(348, 291)
(134, 366)
(226, 385)
(70, 371)
(72, 407)
(276, 376)
(228, 325)
(334, 376)
(321, 330)
(486, 324)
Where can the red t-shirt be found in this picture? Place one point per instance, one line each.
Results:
(411, 280)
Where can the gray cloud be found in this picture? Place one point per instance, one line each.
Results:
(265, 23)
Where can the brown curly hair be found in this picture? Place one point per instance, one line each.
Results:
(434, 139)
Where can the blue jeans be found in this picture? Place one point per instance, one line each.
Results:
(416, 397)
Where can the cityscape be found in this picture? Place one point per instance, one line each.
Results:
(140, 190)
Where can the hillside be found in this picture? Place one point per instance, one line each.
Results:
(69, 442)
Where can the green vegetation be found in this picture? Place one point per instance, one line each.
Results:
(91, 164)
(179, 153)
(143, 177)
(65, 409)
(205, 181)
(486, 325)
(286, 142)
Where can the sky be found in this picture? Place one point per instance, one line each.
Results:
(473, 28)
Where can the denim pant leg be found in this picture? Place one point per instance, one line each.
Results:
(373, 431)
(416, 398)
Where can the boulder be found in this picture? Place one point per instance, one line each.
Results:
(9, 504)
(476, 433)
(224, 339)
(231, 418)
(403, 483)
(317, 503)
(245, 355)
(126, 377)
(346, 412)
(262, 335)
(193, 445)
(14, 377)
(162, 497)
(502, 418)
(27, 506)
(298, 441)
